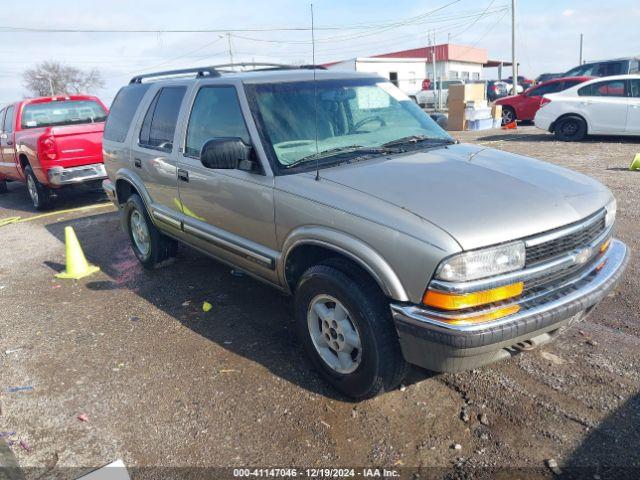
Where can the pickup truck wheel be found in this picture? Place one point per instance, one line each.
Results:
(3, 186)
(150, 246)
(346, 329)
(40, 195)
(508, 115)
(570, 129)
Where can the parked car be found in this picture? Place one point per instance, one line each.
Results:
(604, 106)
(431, 96)
(523, 83)
(545, 77)
(525, 105)
(50, 143)
(606, 68)
(497, 89)
(399, 244)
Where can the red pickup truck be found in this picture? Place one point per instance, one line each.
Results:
(50, 143)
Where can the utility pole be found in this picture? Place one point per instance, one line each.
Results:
(433, 61)
(581, 37)
(230, 49)
(514, 60)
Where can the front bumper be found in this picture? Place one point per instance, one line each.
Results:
(59, 176)
(437, 345)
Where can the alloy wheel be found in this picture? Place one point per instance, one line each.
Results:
(140, 232)
(334, 335)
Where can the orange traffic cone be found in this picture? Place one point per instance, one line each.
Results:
(510, 126)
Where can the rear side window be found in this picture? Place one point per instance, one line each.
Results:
(569, 84)
(8, 120)
(611, 68)
(216, 113)
(122, 111)
(159, 125)
(635, 88)
(612, 88)
(544, 89)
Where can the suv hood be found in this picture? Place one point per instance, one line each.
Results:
(479, 196)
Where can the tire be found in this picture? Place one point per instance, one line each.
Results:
(39, 194)
(3, 186)
(377, 365)
(570, 129)
(508, 115)
(151, 247)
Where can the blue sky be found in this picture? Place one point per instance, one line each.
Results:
(548, 33)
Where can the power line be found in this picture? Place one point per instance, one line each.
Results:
(219, 30)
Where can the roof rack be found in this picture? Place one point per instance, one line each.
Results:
(214, 71)
(200, 72)
(265, 66)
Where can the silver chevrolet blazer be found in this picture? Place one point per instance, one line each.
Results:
(399, 245)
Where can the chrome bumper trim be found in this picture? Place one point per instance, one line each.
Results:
(615, 256)
(532, 273)
(85, 173)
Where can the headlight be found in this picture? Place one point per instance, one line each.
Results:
(482, 263)
(611, 208)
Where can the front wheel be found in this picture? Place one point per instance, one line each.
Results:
(39, 194)
(345, 326)
(151, 247)
(570, 129)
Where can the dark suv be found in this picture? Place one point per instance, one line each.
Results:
(606, 68)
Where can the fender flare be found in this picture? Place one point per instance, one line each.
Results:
(349, 246)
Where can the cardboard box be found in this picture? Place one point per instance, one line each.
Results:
(467, 92)
(457, 119)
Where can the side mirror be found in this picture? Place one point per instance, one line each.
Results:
(227, 153)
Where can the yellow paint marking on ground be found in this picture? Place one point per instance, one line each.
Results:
(11, 220)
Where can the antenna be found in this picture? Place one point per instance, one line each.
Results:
(315, 92)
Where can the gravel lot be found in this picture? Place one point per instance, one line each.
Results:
(161, 383)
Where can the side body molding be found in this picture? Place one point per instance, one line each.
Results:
(349, 246)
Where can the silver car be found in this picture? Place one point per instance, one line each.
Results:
(399, 245)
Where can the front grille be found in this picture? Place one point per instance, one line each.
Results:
(565, 244)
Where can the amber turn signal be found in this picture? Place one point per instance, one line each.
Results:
(453, 301)
(605, 245)
(485, 317)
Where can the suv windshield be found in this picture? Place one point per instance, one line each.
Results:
(353, 116)
(66, 112)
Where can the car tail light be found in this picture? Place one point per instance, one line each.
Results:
(544, 101)
(48, 148)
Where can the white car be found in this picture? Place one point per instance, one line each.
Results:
(604, 106)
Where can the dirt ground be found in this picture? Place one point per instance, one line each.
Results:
(163, 384)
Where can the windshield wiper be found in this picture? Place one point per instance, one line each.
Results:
(334, 152)
(414, 139)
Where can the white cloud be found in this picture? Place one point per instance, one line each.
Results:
(568, 12)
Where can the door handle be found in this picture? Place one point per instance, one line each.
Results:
(635, 105)
(587, 102)
(137, 163)
(183, 175)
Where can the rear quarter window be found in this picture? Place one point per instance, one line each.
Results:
(123, 110)
(611, 88)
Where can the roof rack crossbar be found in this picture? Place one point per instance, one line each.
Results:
(200, 72)
(268, 66)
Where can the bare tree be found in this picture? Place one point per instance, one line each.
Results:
(54, 78)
